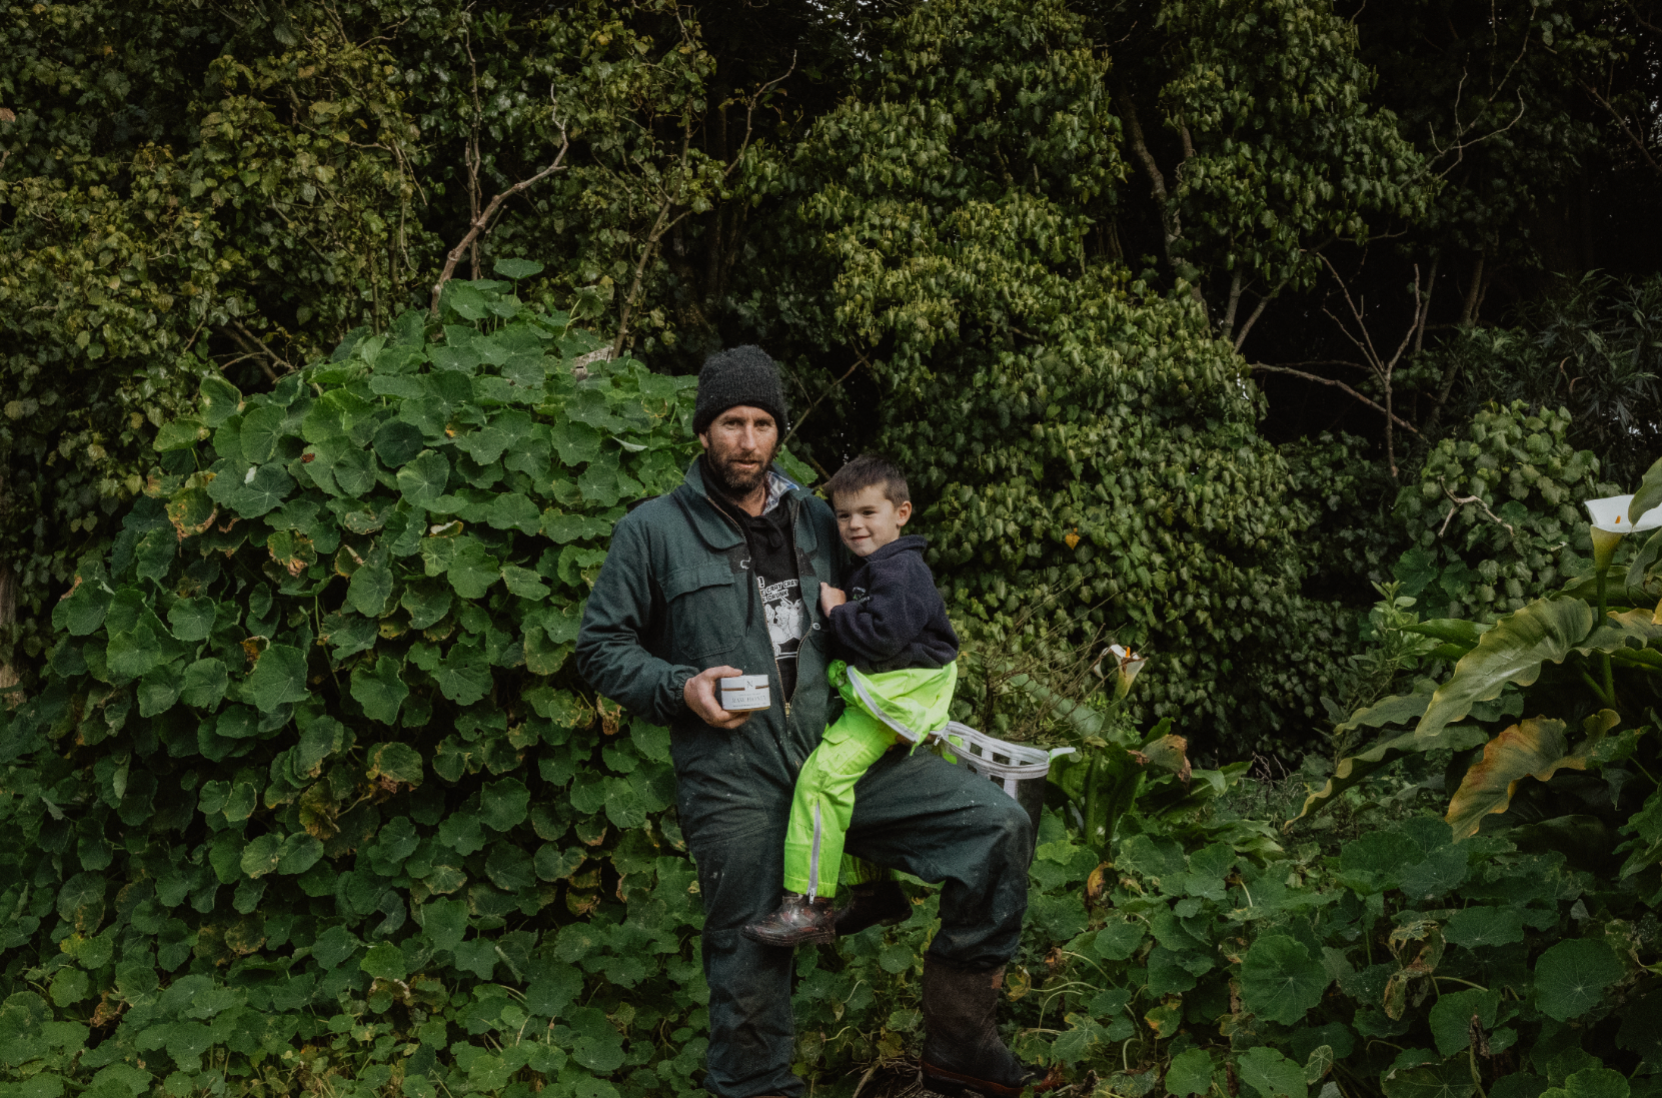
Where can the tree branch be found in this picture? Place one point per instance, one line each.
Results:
(483, 220)
(1400, 422)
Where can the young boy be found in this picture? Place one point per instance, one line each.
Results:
(895, 670)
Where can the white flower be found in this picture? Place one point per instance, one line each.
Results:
(1611, 524)
(1127, 662)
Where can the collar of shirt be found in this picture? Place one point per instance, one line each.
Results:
(778, 485)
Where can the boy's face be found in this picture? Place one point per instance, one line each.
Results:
(867, 520)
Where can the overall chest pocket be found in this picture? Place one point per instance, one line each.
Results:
(706, 610)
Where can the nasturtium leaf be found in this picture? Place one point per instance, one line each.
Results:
(576, 443)
(1571, 976)
(191, 619)
(477, 957)
(379, 688)
(1270, 1074)
(472, 570)
(334, 946)
(423, 478)
(1481, 925)
(598, 1045)
(445, 922)
(263, 488)
(555, 989)
(299, 852)
(154, 554)
(220, 399)
(509, 867)
(44, 1084)
(261, 428)
(524, 582)
(69, 986)
(464, 675)
(1190, 1072)
(1167, 973)
(562, 528)
(278, 677)
(511, 511)
(1592, 1082)
(1448, 1079)
(370, 585)
(395, 762)
(159, 689)
(397, 442)
(237, 722)
(260, 856)
(427, 600)
(353, 468)
(385, 961)
(554, 864)
(517, 268)
(1452, 1014)
(1280, 980)
(82, 611)
(504, 804)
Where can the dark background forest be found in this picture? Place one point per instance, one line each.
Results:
(1193, 320)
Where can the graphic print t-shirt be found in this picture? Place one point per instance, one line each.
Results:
(773, 570)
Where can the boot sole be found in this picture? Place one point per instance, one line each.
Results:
(951, 1084)
(812, 937)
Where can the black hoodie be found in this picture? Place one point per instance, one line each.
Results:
(894, 618)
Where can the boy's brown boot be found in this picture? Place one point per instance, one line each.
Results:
(962, 1050)
(797, 920)
(880, 903)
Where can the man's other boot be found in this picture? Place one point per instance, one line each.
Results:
(881, 903)
(796, 920)
(962, 1049)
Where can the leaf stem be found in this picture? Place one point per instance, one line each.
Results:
(1604, 657)
(1458, 980)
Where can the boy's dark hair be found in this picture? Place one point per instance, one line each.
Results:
(864, 472)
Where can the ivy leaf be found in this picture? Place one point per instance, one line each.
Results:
(277, 679)
(379, 688)
(1571, 976)
(1280, 980)
(517, 268)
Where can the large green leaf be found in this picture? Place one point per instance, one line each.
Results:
(1270, 1074)
(1513, 651)
(1445, 1079)
(1280, 980)
(1353, 768)
(278, 678)
(1536, 748)
(380, 689)
(1570, 978)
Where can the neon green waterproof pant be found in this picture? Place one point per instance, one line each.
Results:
(882, 709)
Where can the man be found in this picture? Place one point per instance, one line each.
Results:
(721, 577)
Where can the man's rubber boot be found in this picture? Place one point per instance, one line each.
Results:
(962, 1050)
(881, 903)
(797, 920)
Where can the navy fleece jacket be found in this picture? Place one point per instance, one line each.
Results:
(894, 618)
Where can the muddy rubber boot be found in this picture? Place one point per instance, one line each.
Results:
(796, 920)
(962, 1050)
(881, 903)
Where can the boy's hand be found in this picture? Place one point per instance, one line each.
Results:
(700, 694)
(830, 596)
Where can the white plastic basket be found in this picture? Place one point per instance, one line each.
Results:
(1018, 769)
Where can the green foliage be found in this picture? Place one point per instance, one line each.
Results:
(1495, 518)
(1088, 451)
(310, 767)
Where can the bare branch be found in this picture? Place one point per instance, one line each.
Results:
(483, 220)
(860, 360)
(1462, 501)
(1400, 422)
(1263, 303)
(1634, 139)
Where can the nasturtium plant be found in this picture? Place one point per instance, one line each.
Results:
(310, 767)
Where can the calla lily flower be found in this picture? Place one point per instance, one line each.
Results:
(1127, 664)
(1611, 524)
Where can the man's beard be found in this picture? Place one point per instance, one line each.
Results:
(731, 482)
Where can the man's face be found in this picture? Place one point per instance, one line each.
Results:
(740, 444)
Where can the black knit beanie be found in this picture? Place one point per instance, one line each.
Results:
(738, 375)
